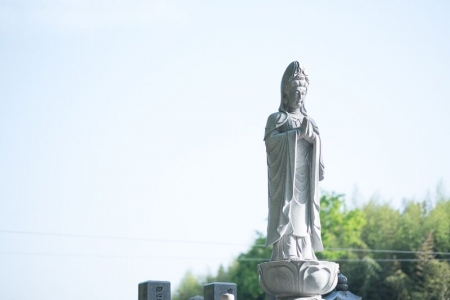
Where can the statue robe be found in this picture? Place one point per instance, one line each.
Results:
(294, 169)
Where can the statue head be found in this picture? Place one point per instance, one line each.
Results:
(295, 80)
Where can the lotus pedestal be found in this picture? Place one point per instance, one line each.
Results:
(298, 280)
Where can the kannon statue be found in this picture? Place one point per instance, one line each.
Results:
(294, 162)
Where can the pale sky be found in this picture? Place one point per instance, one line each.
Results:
(143, 121)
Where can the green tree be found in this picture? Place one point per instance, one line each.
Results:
(382, 224)
(223, 275)
(189, 287)
(340, 228)
(438, 221)
(243, 272)
(431, 277)
(398, 283)
(411, 231)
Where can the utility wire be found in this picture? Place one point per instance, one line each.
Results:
(380, 251)
(104, 237)
(201, 242)
(355, 259)
(147, 257)
(386, 251)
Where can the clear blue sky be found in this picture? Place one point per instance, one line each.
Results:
(144, 119)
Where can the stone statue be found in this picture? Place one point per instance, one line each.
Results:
(295, 167)
(294, 161)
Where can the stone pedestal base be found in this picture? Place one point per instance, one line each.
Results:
(298, 280)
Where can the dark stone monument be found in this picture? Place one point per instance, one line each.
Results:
(154, 290)
(341, 292)
(215, 290)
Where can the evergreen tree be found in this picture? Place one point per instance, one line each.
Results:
(431, 277)
(398, 284)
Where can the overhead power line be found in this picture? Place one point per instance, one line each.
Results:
(380, 251)
(149, 257)
(354, 259)
(386, 251)
(105, 256)
(105, 237)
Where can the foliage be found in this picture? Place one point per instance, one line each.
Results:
(385, 253)
(244, 270)
(431, 277)
(189, 287)
(340, 228)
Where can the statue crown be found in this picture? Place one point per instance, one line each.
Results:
(298, 78)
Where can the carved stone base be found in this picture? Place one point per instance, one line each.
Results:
(298, 280)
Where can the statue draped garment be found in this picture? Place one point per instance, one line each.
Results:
(295, 167)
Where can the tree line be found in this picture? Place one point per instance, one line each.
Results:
(385, 253)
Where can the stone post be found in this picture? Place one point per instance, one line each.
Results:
(215, 291)
(154, 290)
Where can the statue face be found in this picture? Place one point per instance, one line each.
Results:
(296, 97)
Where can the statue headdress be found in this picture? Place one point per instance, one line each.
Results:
(294, 76)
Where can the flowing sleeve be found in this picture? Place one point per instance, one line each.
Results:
(321, 166)
(316, 169)
(280, 148)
